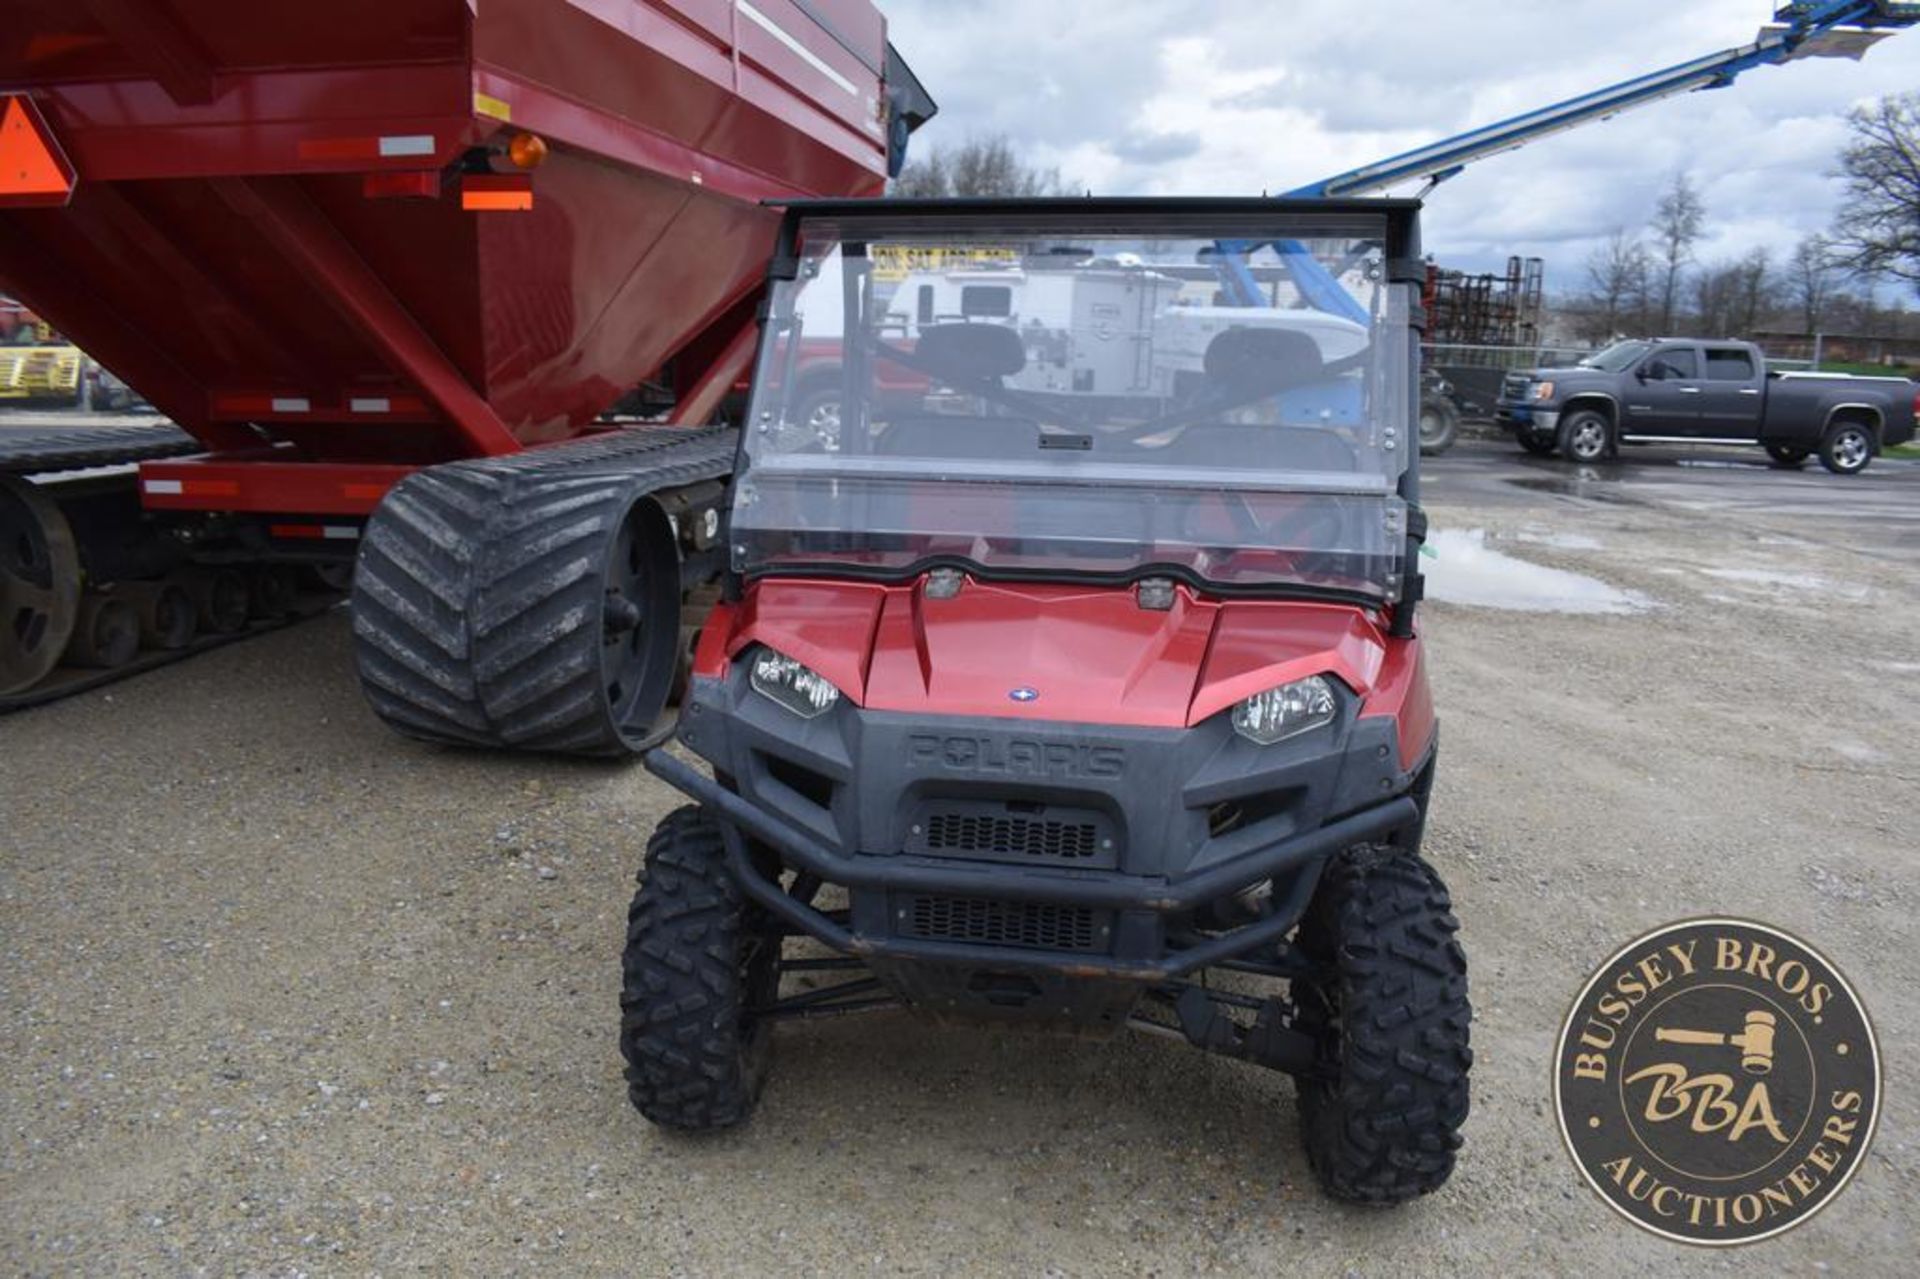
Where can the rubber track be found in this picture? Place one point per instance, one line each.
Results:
(34, 450)
(477, 596)
(681, 985)
(1388, 1130)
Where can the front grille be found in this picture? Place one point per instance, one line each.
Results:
(1021, 831)
(1516, 387)
(1035, 925)
(1011, 836)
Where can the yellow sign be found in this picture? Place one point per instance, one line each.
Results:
(897, 261)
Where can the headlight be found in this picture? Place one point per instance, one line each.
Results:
(1541, 391)
(798, 687)
(1287, 711)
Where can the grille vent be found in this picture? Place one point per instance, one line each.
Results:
(1036, 925)
(1011, 836)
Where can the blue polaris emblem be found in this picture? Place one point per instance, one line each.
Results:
(1024, 694)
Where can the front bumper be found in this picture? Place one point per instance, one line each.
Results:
(1086, 851)
(1527, 419)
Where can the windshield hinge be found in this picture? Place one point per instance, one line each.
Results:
(944, 583)
(1156, 595)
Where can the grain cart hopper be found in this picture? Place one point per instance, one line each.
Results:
(340, 244)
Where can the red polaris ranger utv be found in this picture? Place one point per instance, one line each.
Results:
(1082, 674)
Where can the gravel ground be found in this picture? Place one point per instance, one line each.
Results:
(280, 993)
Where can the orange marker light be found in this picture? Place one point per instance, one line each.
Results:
(527, 151)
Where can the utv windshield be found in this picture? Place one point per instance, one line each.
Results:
(1072, 396)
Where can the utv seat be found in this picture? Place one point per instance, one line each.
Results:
(1244, 366)
(965, 357)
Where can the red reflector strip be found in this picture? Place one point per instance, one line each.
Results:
(33, 169)
(386, 404)
(260, 405)
(401, 186)
(496, 193)
(191, 488)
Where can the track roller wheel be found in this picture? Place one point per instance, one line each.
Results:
(106, 633)
(272, 591)
(39, 584)
(529, 611)
(167, 616)
(220, 600)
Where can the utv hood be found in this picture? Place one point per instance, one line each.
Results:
(1048, 653)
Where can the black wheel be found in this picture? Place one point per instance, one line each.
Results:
(1537, 446)
(1586, 436)
(220, 600)
(1439, 425)
(1387, 1005)
(39, 584)
(167, 616)
(533, 612)
(1784, 456)
(273, 590)
(1847, 448)
(106, 633)
(695, 970)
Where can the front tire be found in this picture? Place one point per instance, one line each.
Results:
(1439, 425)
(1586, 436)
(695, 970)
(1387, 1004)
(1847, 448)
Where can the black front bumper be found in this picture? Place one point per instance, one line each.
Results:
(1090, 851)
(1144, 903)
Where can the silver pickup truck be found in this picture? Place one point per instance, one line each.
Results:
(1681, 391)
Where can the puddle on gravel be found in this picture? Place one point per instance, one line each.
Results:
(1587, 482)
(1462, 569)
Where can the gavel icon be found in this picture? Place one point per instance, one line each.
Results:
(1755, 1042)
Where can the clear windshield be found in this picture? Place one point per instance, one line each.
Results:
(1619, 357)
(1085, 403)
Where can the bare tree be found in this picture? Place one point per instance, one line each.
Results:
(1878, 229)
(1617, 283)
(987, 166)
(1679, 220)
(1755, 290)
(1811, 275)
(1717, 290)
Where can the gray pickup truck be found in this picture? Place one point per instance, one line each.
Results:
(1680, 391)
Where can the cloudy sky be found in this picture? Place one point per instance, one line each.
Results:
(1241, 96)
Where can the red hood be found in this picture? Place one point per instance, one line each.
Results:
(1086, 655)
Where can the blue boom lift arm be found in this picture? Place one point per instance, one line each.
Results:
(1813, 29)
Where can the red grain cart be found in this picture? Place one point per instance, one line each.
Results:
(338, 244)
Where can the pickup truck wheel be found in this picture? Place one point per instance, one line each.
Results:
(815, 422)
(1847, 448)
(1439, 426)
(1788, 457)
(1586, 436)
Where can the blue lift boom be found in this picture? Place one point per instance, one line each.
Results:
(1815, 29)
